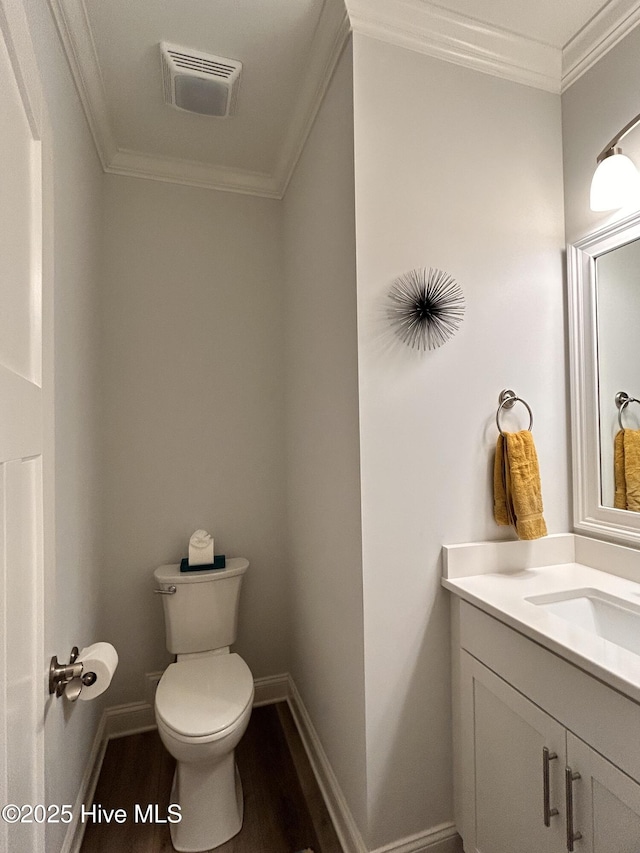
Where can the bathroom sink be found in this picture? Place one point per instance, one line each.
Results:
(605, 615)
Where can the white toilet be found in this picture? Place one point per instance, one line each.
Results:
(203, 701)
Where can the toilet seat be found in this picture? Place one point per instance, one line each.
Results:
(204, 697)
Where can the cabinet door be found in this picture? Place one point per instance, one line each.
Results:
(504, 736)
(606, 803)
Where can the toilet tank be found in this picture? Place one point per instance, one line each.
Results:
(202, 614)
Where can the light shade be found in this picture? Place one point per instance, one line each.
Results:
(616, 183)
(197, 95)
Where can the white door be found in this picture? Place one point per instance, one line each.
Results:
(509, 735)
(25, 434)
(606, 803)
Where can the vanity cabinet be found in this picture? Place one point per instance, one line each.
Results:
(607, 802)
(509, 735)
(535, 739)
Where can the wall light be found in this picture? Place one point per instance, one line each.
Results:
(616, 182)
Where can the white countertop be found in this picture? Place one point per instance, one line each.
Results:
(503, 594)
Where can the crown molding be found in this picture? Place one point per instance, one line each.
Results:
(414, 24)
(612, 23)
(331, 36)
(429, 29)
(77, 40)
(78, 43)
(172, 170)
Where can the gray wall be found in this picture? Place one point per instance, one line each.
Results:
(322, 471)
(192, 410)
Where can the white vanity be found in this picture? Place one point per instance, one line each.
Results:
(546, 634)
(546, 671)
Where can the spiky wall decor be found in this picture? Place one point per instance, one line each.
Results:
(427, 307)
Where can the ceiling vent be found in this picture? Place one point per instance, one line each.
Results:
(199, 82)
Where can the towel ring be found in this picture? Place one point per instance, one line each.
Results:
(507, 400)
(622, 401)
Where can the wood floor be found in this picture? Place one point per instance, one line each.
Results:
(283, 809)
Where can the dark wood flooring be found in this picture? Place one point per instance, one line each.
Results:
(283, 808)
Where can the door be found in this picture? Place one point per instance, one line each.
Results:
(508, 737)
(606, 803)
(25, 434)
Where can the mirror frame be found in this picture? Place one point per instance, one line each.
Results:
(590, 517)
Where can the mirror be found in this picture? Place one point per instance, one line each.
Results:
(617, 295)
(604, 281)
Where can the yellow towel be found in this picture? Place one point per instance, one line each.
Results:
(626, 468)
(501, 506)
(517, 496)
(620, 498)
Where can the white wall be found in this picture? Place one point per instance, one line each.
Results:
(192, 410)
(460, 171)
(322, 472)
(71, 617)
(594, 109)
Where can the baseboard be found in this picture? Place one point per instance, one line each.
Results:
(345, 826)
(130, 719)
(273, 688)
(439, 839)
(75, 831)
(135, 717)
(270, 689)
(115, 722)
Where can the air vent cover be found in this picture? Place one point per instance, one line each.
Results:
(199, 82)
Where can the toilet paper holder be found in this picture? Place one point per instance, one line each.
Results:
(69, 678)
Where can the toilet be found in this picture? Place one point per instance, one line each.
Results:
(203, 701)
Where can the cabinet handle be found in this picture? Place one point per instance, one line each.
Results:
(548, 811)
(569, 778)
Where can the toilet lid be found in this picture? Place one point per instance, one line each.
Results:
(203, 696)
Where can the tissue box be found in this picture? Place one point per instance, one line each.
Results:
(219, 562)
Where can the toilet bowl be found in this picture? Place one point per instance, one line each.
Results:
(203, 707)
(203, 703)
